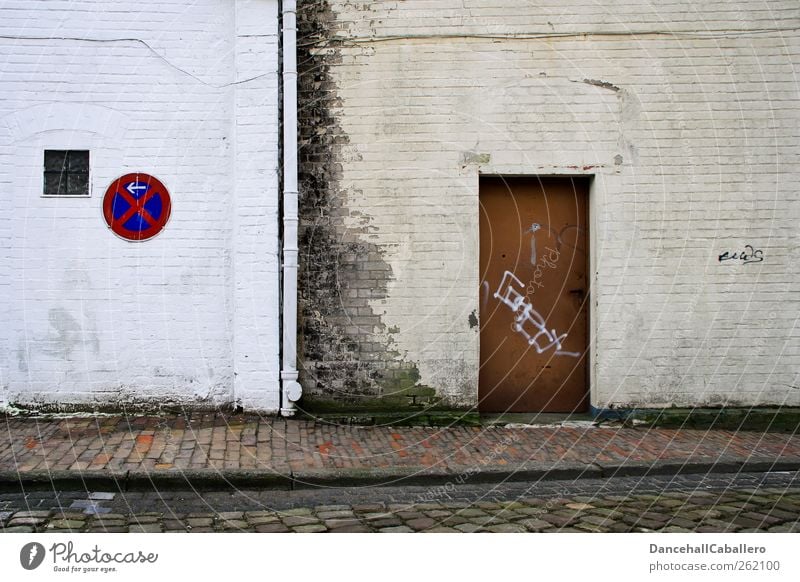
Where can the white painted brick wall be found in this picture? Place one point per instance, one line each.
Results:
(707, 125)
(256, 248)
(159, 87)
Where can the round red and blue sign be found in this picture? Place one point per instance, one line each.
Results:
(136, 207)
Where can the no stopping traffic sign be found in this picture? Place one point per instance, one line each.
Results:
(136, 206)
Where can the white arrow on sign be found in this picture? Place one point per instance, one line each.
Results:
(135, 186)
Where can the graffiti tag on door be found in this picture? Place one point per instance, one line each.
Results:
(528, 322)
(541, 261)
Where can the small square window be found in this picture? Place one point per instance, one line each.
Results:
(66, 173)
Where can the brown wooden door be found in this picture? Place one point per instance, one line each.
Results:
(534, 299)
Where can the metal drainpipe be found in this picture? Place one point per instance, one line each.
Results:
(291, 391)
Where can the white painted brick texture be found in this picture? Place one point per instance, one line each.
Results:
(702, 111)
(159, 87)
(256, 303)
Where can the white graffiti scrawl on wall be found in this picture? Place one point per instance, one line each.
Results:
(528, 321)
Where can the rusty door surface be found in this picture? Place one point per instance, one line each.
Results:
(533, 294)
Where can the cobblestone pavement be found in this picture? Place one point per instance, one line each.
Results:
(688, 503)
(217, 441)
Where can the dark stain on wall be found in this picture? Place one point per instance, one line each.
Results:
(345, 352)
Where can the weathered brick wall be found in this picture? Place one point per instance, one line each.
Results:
(188, 93)
(685, 113)
(345, 348)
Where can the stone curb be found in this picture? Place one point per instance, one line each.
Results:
(138, 480)
(63, 479)
(425, 476)
(376, 477)
(208, 479)
(711, 465)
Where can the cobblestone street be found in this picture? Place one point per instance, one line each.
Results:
(711, 503)
(215, 472)
(216, 442)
